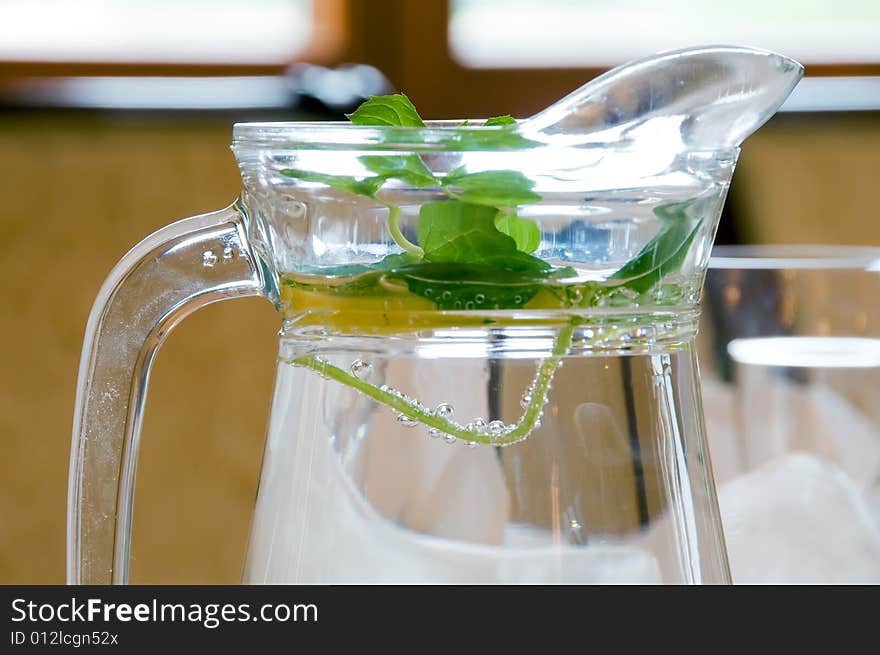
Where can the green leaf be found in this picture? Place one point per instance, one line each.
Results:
(492, 188)
(507, 119)
(523, 231)
(664, 253)
(507, 139)
(347, 184)
(387, 263)
(394, 110)
(457, 232)
(409, 169)
(469, 286)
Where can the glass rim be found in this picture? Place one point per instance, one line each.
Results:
(436, 135)
(777, 257)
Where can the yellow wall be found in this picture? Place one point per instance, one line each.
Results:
(811, 181)
(77, 193)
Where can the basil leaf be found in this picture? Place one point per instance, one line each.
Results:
(664, 253)
(394, 110)
(507, 119)
(345, 183)
(409, 169)
(492, 188)
(523, 231)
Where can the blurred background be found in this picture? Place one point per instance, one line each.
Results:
(115, 119)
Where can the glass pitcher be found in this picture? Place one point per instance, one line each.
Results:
(485, 370)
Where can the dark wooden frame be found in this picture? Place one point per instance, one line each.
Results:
(408, 41)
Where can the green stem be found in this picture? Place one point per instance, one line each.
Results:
(415, 411)
(397, 235)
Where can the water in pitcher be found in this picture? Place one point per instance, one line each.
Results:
(353, 491)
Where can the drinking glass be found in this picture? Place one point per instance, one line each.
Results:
(790, 358)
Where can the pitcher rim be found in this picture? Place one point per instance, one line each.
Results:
(436, 136)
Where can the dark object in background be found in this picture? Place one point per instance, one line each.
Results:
(304, 92)
(335, 92)
(737, 310)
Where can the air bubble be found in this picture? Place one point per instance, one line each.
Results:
(479, 298)
(429, 293)
(517, 299)
(444, 410)
(406, 421)
(449, 438)
(434, 433)
(575, 525)
(525, 400)
(446, 295)
(361, 369)
(209, 258)
(228, 253)
(471, 444)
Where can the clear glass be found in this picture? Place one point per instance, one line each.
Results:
(486, 368)
(791, 374)
(610, 487)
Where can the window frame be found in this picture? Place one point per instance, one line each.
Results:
(327, 43)
(410, 27)
(408, 42)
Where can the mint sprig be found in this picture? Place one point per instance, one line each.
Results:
(665, 252)
(474, 251)
(497, 121)
(492, 188)
(538, 395)
(367, 186)
(452, 231)
(478, 228)
(501, 190)
(525, 233)
(394, 110)
(409, 169)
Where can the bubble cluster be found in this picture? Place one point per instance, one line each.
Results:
(496, 428)
(477, 426)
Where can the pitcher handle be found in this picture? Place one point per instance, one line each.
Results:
(167, 276)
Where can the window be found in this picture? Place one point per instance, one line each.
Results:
(243, 32)
(604, 33)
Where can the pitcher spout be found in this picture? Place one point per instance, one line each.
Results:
(714, 97)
